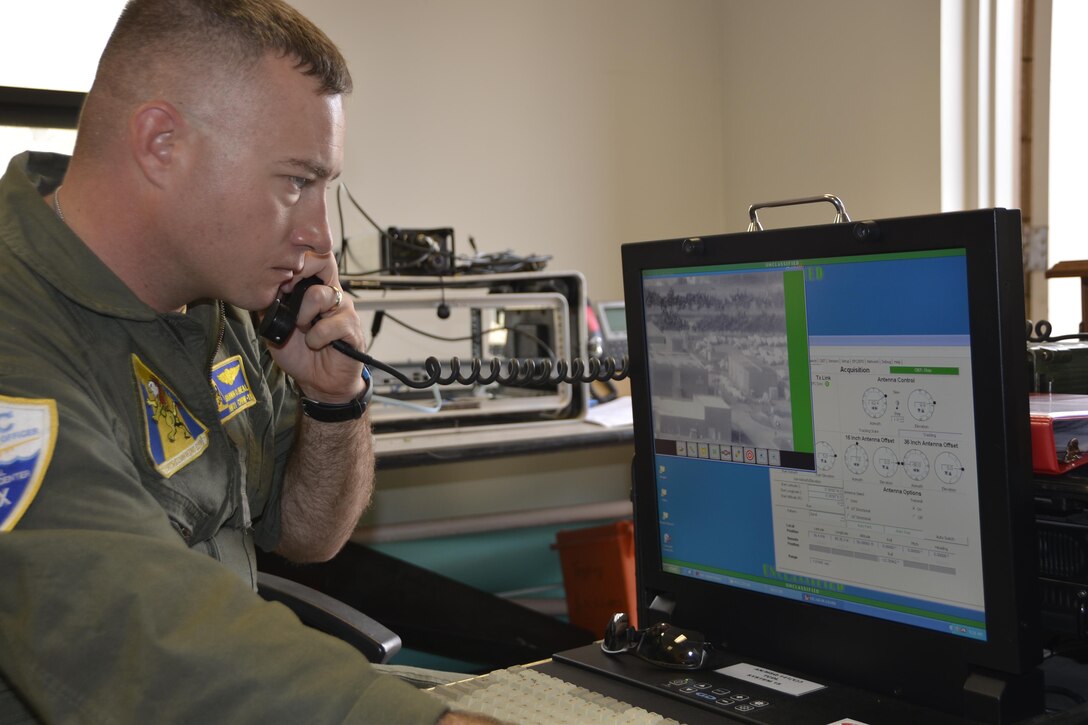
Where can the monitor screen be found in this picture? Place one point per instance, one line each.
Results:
(815, 421)
(832, 457)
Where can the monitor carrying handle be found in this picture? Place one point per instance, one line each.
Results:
(840, 210)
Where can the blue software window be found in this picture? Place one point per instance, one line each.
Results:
(814, 435)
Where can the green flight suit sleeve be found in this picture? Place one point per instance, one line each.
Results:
(106, 616)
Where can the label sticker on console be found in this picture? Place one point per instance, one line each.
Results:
(786, 684)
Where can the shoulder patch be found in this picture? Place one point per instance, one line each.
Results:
(175, 438)
(28, 433)
(232, 391)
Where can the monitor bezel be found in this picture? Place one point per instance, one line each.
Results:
(876, 654)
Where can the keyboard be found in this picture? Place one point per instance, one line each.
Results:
(523, 696)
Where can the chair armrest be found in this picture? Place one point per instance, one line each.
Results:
(322, 612)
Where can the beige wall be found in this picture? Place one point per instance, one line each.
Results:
(568, 127)
(837, 96)
(562, 127)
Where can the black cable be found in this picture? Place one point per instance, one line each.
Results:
(342, 267)
(477, 264)
(279, 320)
(517, 372)
(443, 308)
(345, 248)
(462, 338)
(390, 270)
(393, 270)
(360, 208)
(1042, 330)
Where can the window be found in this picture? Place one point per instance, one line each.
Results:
(74, 31)
(1068, 158)
(979, 128)
(37, 119)
(40, 97)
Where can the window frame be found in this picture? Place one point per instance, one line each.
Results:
(39, 107)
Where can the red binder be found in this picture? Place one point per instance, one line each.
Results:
(1059, 432)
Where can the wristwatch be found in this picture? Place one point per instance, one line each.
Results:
(340, 412)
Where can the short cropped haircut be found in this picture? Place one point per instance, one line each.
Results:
(236, 34)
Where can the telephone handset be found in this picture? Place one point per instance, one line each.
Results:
(279, 320)
(281, 317)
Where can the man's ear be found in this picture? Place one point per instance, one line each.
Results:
(156, 135)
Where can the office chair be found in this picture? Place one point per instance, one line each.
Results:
(331, 616)
(431, 612)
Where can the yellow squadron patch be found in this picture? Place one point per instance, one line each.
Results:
(232, 391)
(174, 437)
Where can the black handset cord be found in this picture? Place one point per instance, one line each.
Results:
(517, 371)
(1043, 330)
(279, 321)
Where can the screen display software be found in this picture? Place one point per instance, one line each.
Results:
(814, 433)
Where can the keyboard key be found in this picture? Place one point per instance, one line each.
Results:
(523, 696)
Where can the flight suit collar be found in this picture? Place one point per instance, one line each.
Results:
(56, 253)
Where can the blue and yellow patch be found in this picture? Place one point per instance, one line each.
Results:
(175, 438)
(232, 391)
(28, 433)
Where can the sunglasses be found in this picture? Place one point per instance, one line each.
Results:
(661, 644)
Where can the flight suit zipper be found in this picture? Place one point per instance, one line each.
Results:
(247, 520)
(221, 330)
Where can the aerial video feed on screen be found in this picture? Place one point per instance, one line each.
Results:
(720, 367)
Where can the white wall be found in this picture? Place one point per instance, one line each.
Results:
(568, 127)
(837, 96)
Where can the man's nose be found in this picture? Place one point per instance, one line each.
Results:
(313, 230)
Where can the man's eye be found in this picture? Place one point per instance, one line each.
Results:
(299, 182)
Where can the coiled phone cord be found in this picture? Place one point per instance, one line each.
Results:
(512, 372)
(279, 321)
(1043, 330)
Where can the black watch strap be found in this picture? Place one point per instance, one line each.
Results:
(340, 412)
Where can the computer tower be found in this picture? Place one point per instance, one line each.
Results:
(1061, 519)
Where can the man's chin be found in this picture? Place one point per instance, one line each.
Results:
(253, 303)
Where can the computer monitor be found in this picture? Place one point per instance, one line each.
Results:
(833, 463)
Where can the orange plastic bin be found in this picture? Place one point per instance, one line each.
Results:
(598, 566)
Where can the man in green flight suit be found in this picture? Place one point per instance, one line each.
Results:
(148, 441)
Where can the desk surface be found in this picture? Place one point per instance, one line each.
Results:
(424, 447)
